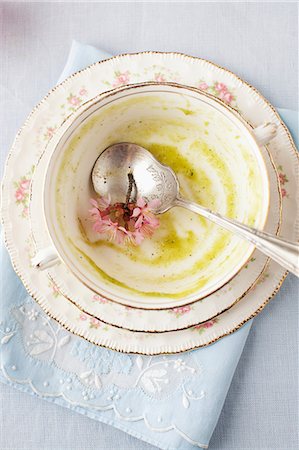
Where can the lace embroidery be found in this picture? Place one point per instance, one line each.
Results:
(96, 378)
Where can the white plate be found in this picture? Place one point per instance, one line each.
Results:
(138, 319)
(28, 146)
(193, 133)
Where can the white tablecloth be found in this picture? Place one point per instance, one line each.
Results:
(257, 41)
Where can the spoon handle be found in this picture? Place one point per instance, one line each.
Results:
(280, 250)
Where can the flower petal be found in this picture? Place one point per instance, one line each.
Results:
(139, 221)
(138, 237)
(124, 223)
(136, 212)
(93, 202)
(94, 212)
(123, 230)
(141, 202)
(152, 221)
(104, 202)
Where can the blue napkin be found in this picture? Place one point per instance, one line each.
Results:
(172, 401)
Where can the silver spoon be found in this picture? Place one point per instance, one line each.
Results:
(124, 170)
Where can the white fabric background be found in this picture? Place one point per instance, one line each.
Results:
(259, 42)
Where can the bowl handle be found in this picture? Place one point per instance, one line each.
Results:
(45, 258)
(265, 133)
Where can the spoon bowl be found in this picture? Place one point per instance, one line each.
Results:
(153, 180)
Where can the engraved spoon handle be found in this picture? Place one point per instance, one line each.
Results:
(280, 250)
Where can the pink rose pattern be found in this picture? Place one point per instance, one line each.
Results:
(159, 77)
(180, 311)
(83, 317)
(49, 132)
(73, 101)
(160, 74)
(83, 92)
(93, 322)
(283, 179)
(55, 290)
(21, 192)
(22, 186)
(99, 299)
(153, 73)
(121, 78)
(201, 328)
(220, 90)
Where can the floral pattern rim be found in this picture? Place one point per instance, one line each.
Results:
(126, 318)
(132, 319)
(276, 280)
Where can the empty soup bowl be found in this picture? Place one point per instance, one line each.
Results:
(217, 159)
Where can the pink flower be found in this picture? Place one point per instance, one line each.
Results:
(223, 92)
(205, 325)
(124, 222)
(94, 323)
(83, 317)
(55, 288)
(25, 184)
(220, 87)
(73, 100)
(282, 178)
(208, 324)
(100, 213)
(122, 78)
(146, 222)
(226, 96)
(20, 194)
(114, 231)
(95, 213)
(284, 192)
(49, 132)
(182, 309)
(203, 86)
(100, 226)
(82, 91)
(99, 299)
(144, 213)
(104, 202)
(99, 205)
(138, 237)
(159, 77)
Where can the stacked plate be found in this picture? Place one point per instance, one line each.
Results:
(146, 302)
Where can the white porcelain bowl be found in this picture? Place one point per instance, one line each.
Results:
(217, 159)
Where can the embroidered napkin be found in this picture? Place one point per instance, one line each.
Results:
(171, 401)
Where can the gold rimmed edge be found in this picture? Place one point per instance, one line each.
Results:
(78, 305)
(92, 315)
(149, 52)
(84, 108)
(292, 147)
(254, 283)
(71, 330)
